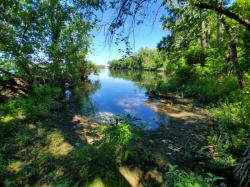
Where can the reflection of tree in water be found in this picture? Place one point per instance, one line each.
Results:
(144, 79)
(82, 103)
(135, 76)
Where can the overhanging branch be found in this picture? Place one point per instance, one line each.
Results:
(221, 10)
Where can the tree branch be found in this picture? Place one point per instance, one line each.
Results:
(221, 10)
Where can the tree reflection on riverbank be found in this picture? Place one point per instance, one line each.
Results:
(82, 102)
(151, 80)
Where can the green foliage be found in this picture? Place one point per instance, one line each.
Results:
(233, 119)
(43, 100)
(144, 59)
(195, 55)
(120, 137)
(178, 178)
(209, 90)
(46, 40)
(104, 156)
(204, 59)
(188, 74)
(233, 129)
(215, 63)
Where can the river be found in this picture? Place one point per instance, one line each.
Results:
(119, 93)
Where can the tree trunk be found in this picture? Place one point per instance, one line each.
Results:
(203, 36)
(234, 54)
(242, 170)
(208, 33)
(218, 28)
(13, 83)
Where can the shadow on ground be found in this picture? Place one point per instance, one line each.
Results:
(67, 149)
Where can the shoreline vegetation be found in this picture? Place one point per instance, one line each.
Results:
(193, 74)
(203, 86)
(183, 153)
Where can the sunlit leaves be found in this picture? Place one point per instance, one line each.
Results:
(49, 31)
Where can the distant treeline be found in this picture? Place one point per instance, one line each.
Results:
(144, 59)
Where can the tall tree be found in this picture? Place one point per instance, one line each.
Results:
(36, 34)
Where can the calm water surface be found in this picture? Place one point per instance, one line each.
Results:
(117, 93)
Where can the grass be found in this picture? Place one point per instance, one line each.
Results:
(178, 178)
(39, 153)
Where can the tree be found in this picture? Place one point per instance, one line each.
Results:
(242, 170)
(41, 38)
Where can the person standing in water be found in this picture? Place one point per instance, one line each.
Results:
(67, 96)
(67, 93)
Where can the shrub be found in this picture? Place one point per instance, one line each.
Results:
(119, 139)
(104, 156)
(195, 55)
(216, 64)
(233, 120)
(211, 90)
(43, 100)
(178, 178)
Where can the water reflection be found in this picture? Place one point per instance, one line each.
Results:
(143, 79)
(119, 92)
(82, 102)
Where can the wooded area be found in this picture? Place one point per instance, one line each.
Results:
(44, 46)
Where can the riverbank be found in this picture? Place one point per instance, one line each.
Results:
(61, 148)
(47, 143)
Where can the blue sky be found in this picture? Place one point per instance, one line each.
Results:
(147, 35)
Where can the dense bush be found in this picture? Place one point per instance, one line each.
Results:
(43, 99)
(195, 55)
(209, 90)
(233, 120)
(178, 178)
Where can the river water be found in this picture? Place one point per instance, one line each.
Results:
(119, 93)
